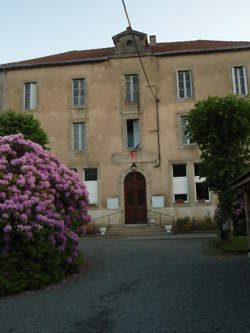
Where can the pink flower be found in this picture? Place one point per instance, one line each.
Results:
(7, 228)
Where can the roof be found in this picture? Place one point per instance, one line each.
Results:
(159, 49)
(242, 181)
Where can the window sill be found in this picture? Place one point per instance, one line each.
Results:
(78, 152)
(30, 110)
(92, 207)
(203, 202)
(189, 146)
(79, 107)
(184, 203)
(185, 99)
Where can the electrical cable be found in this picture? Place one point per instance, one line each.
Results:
(138, 53)
(149, 85)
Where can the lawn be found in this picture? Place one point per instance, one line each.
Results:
(238, 244)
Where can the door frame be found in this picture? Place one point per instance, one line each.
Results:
(141, 184)
(123, 175)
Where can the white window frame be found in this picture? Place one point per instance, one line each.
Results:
(78, 80)
(92, 188)
(237, 80)
(182, 134)
(180, 183)
(136, 133)
(198, 179)
(133, 93)
(32, 101)
(185, 84)
(81, 143)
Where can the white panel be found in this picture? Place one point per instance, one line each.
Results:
(136, 132)
(158, 201)
(76, 144)
(92, 188)
(112, 203)
(177, 83)
(33, 94)
(180, 185)
(199, 179)
(245, 79)
(233, 79)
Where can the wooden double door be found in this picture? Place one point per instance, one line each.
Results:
(135, 198)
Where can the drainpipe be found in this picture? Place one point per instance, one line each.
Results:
(158, 132)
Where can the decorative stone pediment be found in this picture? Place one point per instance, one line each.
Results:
(140, 157)
(125, 43)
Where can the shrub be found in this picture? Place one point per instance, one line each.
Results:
(43, 210)
(185, 224)
(14, 123)
(239, 218)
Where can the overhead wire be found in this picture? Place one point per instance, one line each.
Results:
(149, 85)
(138, 53)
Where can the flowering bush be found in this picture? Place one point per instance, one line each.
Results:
(239, 218)
(43, 204)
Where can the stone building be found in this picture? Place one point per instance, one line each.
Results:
(124, 135)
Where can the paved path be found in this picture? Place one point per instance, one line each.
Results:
(140, 285)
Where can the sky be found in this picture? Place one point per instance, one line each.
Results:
(36, 28)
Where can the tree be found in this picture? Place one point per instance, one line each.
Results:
(14, 123)
(221, 128)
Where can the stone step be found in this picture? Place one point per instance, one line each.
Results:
(135, 230)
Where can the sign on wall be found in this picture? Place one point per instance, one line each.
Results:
(112, 203)
(158, 201)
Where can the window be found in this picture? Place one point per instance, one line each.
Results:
(79, 136)
(201, 189)
(30, 95)
(180, 183)
(185, 140)
(132, 91)
(133, 133)
(239, 76)
(79, 92)
(91, 182)
(184, 84)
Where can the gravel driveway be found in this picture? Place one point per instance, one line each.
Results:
(136, 285)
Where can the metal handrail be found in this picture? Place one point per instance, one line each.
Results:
(108, 216)
(164, 214)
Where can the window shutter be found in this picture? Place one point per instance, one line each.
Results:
(128, 89)
(83, 136)
(135, 88)
(234, 79)
(136, 132)
(190, 83)
(76, 146)
(82, 92)
(91, 182)
(27, 95)
(92, 188)
(184, 139)
(33, 95)
(177, 84)
(245, 79)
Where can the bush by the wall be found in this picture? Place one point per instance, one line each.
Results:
(186, 224)
(43, 210)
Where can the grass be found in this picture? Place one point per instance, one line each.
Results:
(239, 244)
(228, 249)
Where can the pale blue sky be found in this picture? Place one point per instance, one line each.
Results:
(34, 28)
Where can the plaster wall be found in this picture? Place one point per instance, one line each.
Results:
(105, 114)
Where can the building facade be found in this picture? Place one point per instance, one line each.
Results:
(124, 134)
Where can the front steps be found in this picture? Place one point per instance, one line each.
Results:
(136, 230)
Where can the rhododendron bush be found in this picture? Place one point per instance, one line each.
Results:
(42, 203)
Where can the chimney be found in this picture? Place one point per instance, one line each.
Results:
(152, 40)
